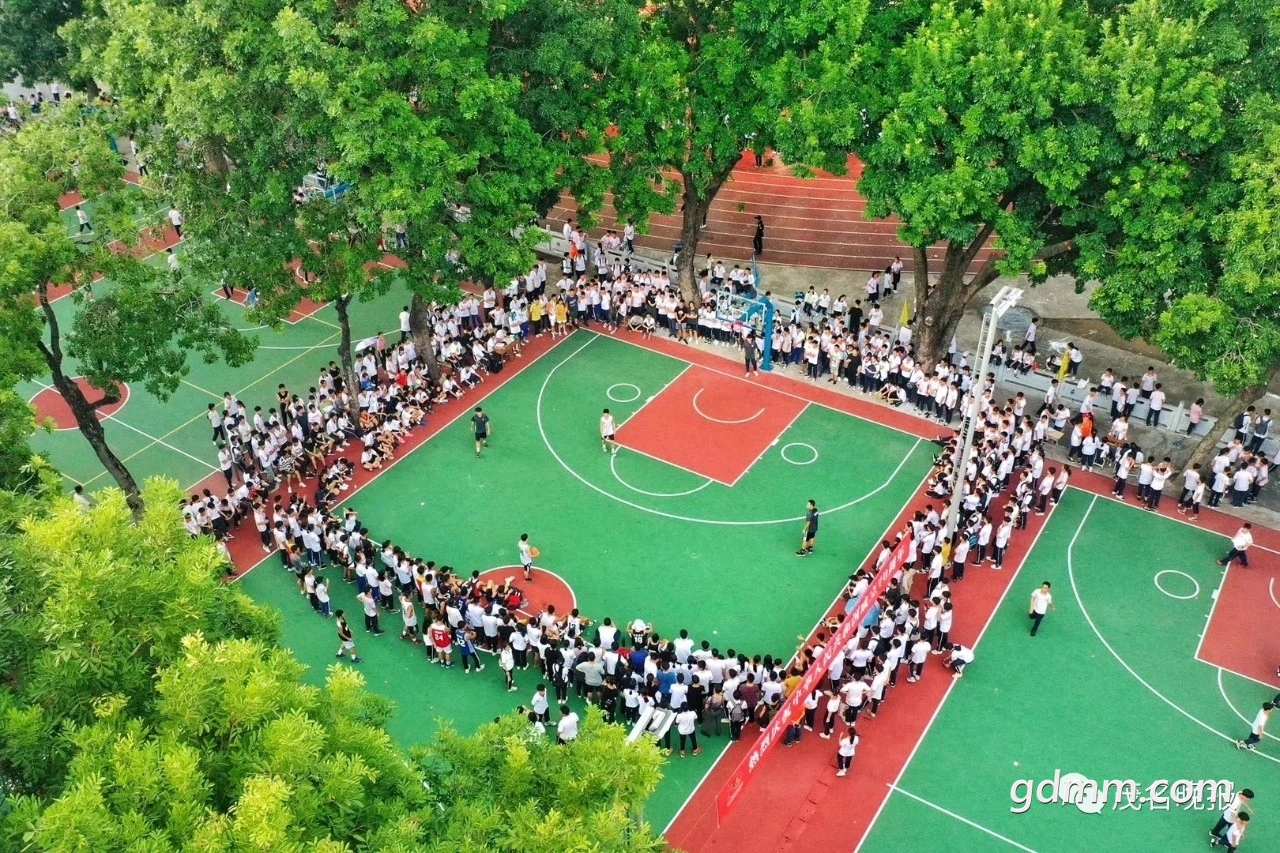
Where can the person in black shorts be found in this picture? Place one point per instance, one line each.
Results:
(480, 426)
(751, 354)
(810, 529)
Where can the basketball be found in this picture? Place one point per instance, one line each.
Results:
(535, 553)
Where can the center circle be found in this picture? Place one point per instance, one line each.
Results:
(609, 393)
(1194, 583)
(547, 588)
(809, 461)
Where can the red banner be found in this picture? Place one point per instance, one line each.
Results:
(813, 677)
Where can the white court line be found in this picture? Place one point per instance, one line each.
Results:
(1271, 590)
(154, 440)
(202, 390)
(613, 467)
(464, 410)
(1259, 681)
(1085, 613)
(1248, 722)
(651, 397)
(160, 442)
(698, 393)
(933, 718)
(962, 819)
(672, 464)
(915, 494)
(778, 438)
(1190, 524)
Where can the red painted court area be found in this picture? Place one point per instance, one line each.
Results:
(1248, 608)
(714, 425)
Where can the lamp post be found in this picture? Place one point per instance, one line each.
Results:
(1003, 301)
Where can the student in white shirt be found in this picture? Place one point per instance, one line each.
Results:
(567, 728)
(1041, 603)
(845, 751)
(1239, 546)
(961, 657)
(1230, 815)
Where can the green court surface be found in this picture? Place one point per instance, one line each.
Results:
(1109, 689)
(716, 560)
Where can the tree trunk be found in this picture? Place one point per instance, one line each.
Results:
(341, 305)
(692, 213)
(420, 330)
(940, 305)
(85, 413)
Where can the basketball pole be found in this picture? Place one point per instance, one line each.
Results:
(1003, 301)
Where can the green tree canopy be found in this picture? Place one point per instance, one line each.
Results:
(241, 755)
(93, 605)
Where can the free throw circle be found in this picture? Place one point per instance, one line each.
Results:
(812, 459)
(627, 385)
(547, 588)
(1194, 583)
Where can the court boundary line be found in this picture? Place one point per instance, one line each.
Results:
(835, 602)
(594, 487)
(1101, 638)
(933, 718)
(217, 294)
(1183, 521)
(464, 410)
(962, 819)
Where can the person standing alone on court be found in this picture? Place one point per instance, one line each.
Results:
(1258, 728)
(757, 242)
(1239, 546)
(1041, 603)
(480, 426)
(810, 529)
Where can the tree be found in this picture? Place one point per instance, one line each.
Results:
(987, 136)
(29, 42)
(703, 81)
(242, 756)
(93, 604)
(139, 327)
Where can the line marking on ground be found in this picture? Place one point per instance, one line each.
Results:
(687, 367)
(1194, 582)
(464, 410)
(728, 523)
(783, 453)
(202, 390)
(609, 392)
(154, 440)
(696, 408)
(822, 617)
(745, 471)
(613, 467)
(961, 818)
(1248, 722)
(933, 718)
(1087, 618)
(1271, 590)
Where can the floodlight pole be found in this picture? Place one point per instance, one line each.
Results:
(1000, 305)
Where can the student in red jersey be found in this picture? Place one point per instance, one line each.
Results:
(441, 643)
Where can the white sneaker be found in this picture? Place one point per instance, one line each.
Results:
(842, 772)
